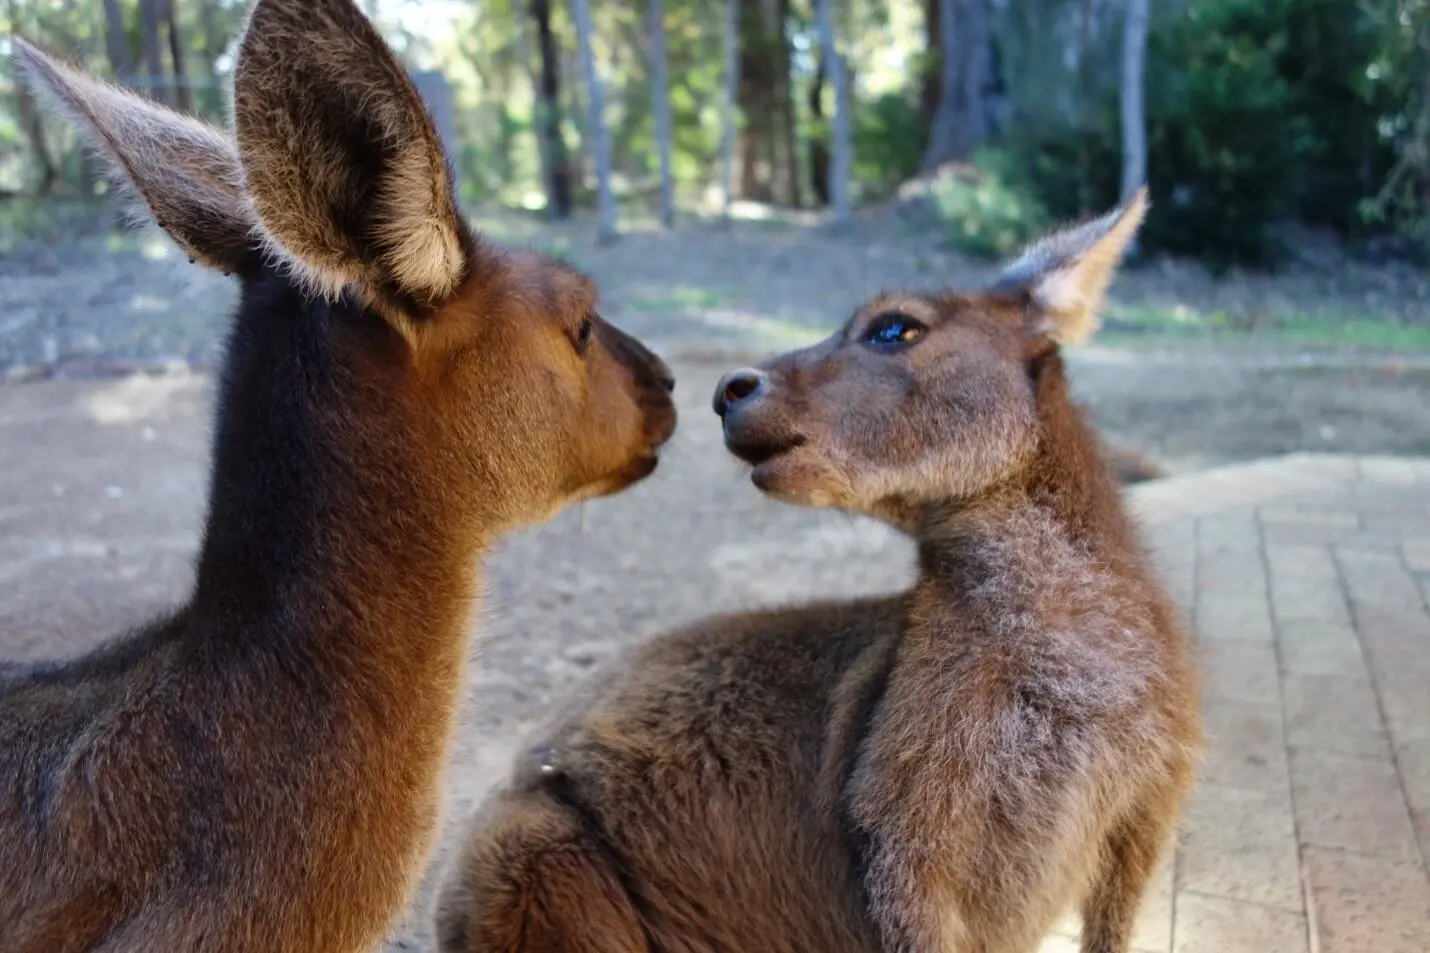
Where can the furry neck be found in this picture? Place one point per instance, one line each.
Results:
(1064, 497)
(327, 539)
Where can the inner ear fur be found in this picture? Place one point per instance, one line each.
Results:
(342, 162)
(186, 172)
(1064, 277)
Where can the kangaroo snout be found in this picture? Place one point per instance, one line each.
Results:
(739, 387)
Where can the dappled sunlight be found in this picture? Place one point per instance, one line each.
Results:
(138, 398)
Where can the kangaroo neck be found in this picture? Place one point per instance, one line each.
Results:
(329, 542)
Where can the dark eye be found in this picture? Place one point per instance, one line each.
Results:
(583, 336)
(892, 330)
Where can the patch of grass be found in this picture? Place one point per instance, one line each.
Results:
(1356, 331)
(679, 298)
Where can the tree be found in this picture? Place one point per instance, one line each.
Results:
(732, 87)
(660, 103)
(31, 124)
(150, 27)
(116, 41)
(768, 160)
(839, 171)
(944, 131)
(819, 161)
(960, 121)
(1134, 118)
(548, 119)
(158, 20)
(596, 121)
(182, 97)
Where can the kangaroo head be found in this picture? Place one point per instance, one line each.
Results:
(335, 185)
(923, 398)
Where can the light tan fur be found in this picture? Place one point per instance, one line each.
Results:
(1069, 271)
(947, 769)
(261, 769)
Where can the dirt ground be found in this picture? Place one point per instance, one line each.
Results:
(91, 301)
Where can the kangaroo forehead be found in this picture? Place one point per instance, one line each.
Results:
(898, 302)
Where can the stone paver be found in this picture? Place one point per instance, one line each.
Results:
(1305, 578)
(1368, 904)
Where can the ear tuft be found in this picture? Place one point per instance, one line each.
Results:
(1065, 276)
(185, 171)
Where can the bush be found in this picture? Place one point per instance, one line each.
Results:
(887, 140)
(1257, 111)
(1226, 140)
(988, 212)
(1071, 174)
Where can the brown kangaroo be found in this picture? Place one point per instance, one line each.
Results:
(948, 769)
(260, 771)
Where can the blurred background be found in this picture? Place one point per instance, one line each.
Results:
(737, 175)
(770, 162)
(1250, 115)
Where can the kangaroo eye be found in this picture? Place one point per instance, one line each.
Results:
(583, 336)
(892, 330)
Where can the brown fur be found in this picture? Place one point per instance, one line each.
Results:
(947, 769)
(261, 770)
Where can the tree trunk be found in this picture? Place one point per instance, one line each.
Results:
(1086, 201)
(182, 97)
(558, 183)
(660, 102)
(788, 145)
(763, 57)
(732, 86)
(932, 78)
(524, 54)
(943, 135)
(116, 42)
(1134, 119)
(961, 119)
(32, 125)
(839, 168)
(977, 71)
(151, 18)
(596, 123)
(819, 132)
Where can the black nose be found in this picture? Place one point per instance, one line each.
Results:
(737, 386)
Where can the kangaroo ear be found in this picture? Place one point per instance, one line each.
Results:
(186, 172)
(1065, 276)
(341, 159)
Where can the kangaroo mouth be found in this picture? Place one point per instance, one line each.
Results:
(760, 450)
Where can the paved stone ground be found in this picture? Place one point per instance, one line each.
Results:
(1306, 578)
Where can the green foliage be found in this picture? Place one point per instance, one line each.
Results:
(1227, 135)
(1329, 59)
(1402, 67)
(1070, 173)
(887, 137)
(1257, 111)
(988, 212)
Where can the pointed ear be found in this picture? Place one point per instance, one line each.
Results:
(186, 172)
(341, 159)
(1065, 276)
